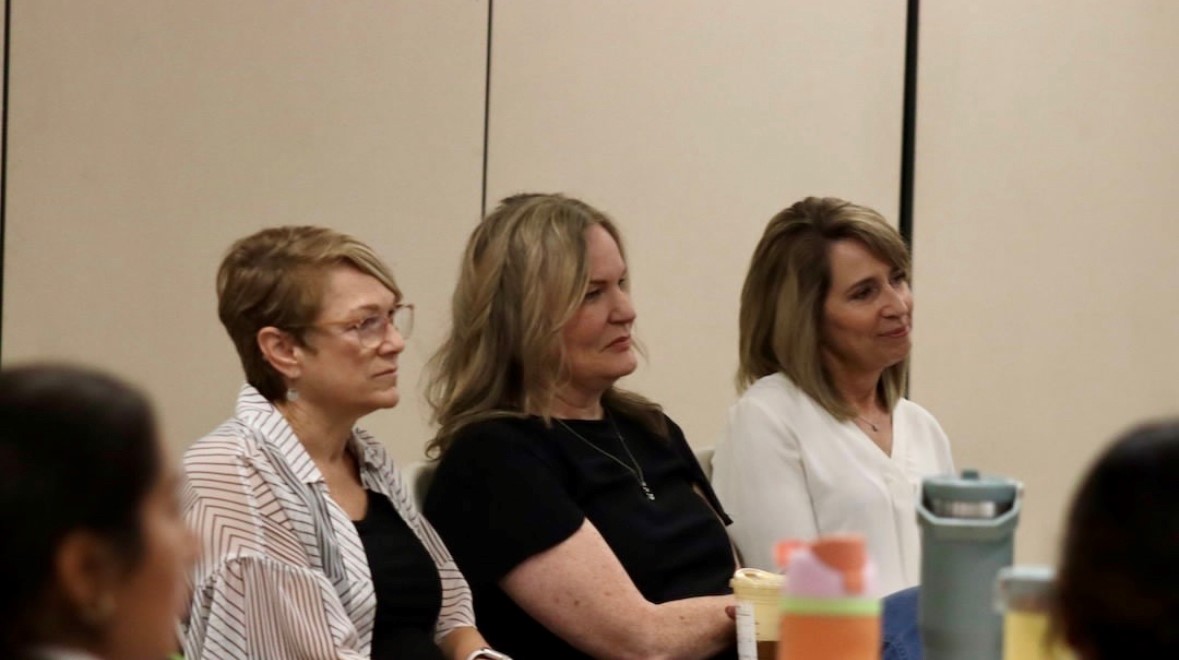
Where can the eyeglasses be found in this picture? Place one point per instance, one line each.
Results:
(372, 330)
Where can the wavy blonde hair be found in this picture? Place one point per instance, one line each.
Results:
(524, 274)
(785, 290)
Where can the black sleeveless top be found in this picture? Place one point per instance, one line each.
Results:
(406, 582)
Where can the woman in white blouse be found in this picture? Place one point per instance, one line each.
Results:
(311, 544)
(822, 440)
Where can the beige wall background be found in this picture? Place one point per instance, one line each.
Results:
(1047, 254)
(145, 136)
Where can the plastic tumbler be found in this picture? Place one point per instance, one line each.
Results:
(830, 609)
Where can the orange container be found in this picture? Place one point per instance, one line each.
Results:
(825, 636)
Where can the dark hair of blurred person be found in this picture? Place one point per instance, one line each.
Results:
(1118, 583)
(94, 549)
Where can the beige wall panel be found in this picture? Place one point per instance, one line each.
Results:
(692, 123)
(147, 136)
(1047, 253)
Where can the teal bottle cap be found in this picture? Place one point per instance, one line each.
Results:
(969, 495)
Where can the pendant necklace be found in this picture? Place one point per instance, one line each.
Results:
(636, 471)
(875, 429)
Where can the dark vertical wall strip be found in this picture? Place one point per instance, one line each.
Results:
(909, 122)
(909, 134)
(4, 159)
(486, 109)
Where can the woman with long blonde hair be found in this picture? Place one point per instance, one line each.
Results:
(576, 509)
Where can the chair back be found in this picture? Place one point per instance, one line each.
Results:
(704, 457)
(419, 475)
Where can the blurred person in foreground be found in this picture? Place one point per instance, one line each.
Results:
(94, 554)
(1118, 581)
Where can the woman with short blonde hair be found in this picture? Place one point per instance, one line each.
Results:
(312, 546)
(576, 509)
(822, 439)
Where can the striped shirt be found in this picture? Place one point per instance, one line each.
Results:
(282, 571)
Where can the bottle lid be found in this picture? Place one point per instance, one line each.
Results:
(847, 554)
(1024, 588)
(784, 549)
(748, 582)
(971, 495)
(836, 566)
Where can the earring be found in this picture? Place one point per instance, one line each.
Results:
(99, 612)
(292, 394)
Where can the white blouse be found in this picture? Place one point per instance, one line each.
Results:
(282, 571)
(786, 468)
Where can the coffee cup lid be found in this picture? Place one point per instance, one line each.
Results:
(1024, 588)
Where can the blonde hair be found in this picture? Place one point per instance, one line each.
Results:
(523, 276)
(275, 278)
(783, 297)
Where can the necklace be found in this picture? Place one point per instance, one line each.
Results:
(636, 471)
(875, 429)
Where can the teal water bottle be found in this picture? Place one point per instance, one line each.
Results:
(967, 534)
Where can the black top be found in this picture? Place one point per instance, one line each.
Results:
(508, 489)
(405, 579)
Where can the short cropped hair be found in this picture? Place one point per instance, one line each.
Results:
(783, 298)
(276, 278)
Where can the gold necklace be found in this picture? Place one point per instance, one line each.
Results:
(636, 471)
(874, 427)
